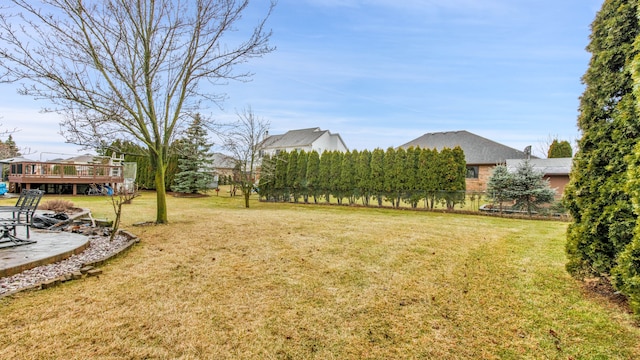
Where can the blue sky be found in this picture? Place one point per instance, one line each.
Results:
(383, 72)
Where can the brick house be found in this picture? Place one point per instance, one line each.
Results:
(481, 154)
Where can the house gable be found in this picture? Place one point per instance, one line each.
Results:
(304, 139)
(222, 161)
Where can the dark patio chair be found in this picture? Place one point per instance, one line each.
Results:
(21, 215)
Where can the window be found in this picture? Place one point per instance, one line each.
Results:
(472, 172)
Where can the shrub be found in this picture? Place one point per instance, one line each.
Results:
(626, 274)
(57, 205)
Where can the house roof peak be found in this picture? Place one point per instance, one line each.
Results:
(299, 138)
(477, 149)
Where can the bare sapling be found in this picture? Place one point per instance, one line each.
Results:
(122, 195)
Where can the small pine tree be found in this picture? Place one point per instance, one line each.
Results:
(529, 189)
(195, 163)
(499, 184)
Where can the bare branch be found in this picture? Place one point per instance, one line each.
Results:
(243, 143)
(121, 69)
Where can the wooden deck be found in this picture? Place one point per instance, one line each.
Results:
(27, 175)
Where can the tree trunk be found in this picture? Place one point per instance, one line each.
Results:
(116, 222)
(246, 198)
(246, 191)
(161, 192)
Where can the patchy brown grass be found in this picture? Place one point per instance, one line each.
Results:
(281, 281)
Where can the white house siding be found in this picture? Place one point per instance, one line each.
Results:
(305, 139)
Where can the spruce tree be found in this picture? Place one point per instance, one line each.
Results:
(596, 197)
(195, 162)
(499, 184)
(528, 188)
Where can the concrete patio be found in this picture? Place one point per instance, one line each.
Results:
(49, 247)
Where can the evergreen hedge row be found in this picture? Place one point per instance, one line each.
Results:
(395, 175)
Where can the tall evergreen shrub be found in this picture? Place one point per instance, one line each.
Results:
(597, 199)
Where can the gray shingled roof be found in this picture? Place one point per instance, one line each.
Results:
(17, 159)
(82, 159)
(222, 161)
(294, 138)
(477, 150)
(556, 166)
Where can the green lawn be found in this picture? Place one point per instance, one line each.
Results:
(285, 281)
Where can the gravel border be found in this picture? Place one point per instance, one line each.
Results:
(99, 251)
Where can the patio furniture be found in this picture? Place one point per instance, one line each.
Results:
(13, 209)
(21, 216)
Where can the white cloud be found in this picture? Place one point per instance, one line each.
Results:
(37, 134)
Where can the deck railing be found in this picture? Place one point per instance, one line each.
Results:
(53, 172)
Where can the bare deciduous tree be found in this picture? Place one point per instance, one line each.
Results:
(243, 142)
(129, 70)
